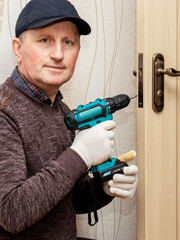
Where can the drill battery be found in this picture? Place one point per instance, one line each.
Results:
(106, 170)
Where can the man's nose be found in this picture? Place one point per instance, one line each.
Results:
(57, 52)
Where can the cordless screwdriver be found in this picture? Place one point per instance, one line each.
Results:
(86, 116)
(91, 114)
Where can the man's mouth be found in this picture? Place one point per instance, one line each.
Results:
(55, 68)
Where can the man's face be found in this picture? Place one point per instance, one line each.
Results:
(47, 56)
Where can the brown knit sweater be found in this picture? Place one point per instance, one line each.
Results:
(42, 180)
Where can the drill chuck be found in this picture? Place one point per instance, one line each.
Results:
(117, 102)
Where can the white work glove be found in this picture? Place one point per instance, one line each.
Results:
(95, 145)
(123, 185)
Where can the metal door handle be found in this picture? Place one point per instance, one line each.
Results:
(169, 71)
(158, 72)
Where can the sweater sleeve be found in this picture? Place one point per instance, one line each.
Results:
(25, 200)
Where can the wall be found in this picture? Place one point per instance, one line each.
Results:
(104, 68)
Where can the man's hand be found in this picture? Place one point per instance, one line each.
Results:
(123, 185)
(95, 144)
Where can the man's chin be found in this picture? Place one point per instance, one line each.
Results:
(53, 79)
(55, 82)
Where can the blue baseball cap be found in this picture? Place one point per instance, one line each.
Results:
(40, 13)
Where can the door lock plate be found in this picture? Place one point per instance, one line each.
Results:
(140, 80)
(157, 83)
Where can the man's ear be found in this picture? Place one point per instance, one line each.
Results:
(16, 46)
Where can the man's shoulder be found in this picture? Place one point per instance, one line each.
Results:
(9, 93)
(5, 90)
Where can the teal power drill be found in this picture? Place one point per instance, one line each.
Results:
(91, 114)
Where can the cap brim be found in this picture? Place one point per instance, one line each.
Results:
(83, 26)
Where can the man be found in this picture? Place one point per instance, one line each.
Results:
(43, 166)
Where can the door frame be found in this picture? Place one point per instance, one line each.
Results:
(158, 150)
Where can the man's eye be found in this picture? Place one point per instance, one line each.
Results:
(68, 42)
(45, 40)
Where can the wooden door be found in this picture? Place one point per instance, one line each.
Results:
(158, 134)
